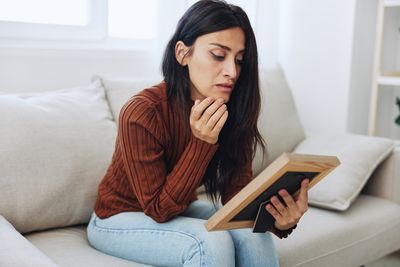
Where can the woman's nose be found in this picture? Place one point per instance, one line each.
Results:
(230, 69)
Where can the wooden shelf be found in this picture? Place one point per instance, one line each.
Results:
(392, 3)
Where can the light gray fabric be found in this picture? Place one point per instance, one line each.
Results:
(69, 247)
(16, 251)
(359, 156)
(119, 90)
(369, 230)
(385, 182)
(278, 123)
(54, 148)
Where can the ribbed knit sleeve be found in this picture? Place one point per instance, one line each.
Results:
(161, 195)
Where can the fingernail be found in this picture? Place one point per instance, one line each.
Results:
(210, 99)
(283, 192)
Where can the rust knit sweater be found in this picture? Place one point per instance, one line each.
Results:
(157, 163)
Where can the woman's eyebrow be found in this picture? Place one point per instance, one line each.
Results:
(226, 47)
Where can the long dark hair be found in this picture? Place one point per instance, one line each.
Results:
(239, 134)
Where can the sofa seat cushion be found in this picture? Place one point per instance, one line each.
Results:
(15, 250)
(328, 238)
(68, 247)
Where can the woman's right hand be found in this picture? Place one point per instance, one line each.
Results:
(207, 119)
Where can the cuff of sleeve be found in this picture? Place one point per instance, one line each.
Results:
(204, 146)
(281, 233)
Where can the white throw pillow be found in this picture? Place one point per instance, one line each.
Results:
(359, 156)
(55, 148)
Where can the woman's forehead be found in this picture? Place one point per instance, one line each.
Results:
(232, 39)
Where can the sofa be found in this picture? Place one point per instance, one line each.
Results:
(56, 146)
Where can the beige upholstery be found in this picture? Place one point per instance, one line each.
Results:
(55, 147)
(69, 247)
(385, 182)
(279, 123)
(16, 251)
(369, 230)
(341, 187)
(119, 90)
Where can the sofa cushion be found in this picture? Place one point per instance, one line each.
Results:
(15, 250)
(69, 247)
(55, 147)
(359, 156)
(279, 123)
(369, 230)
(120, 89)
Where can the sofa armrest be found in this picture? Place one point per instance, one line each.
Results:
(385, 181)
(17, 251)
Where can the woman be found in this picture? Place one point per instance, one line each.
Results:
(199, 126)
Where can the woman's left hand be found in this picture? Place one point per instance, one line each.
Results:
(287, 216)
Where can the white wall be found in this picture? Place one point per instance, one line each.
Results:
(30, 69)
(323, 46)
(267, 32)
(362, 65)
(315, 53)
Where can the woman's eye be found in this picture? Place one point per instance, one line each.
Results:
(217, 57)
(239, 62)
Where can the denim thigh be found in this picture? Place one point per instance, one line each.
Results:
(182, 241)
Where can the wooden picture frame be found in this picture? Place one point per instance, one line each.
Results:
(287, 171)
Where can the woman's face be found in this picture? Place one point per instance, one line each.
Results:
(214, 63)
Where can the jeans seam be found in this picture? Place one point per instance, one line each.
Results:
(115, 230)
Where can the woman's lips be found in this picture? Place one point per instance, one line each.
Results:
(225, 87)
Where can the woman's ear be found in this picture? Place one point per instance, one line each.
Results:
(181, 51)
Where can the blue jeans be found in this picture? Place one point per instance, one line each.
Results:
(182, 241)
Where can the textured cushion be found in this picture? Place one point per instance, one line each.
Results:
(54, 149)
(69, 247)
(279, 123)
(385, 180)
(359, 156)
(119, 90)
(16, 251)
(369, 230)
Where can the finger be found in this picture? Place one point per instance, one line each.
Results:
(220, 124)
(216, 116)
(210, 110)
(279, 206)
(196, 103)
(277, 216)
(200, 107)
(304, 190)
(289, 201)
(302, 201)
